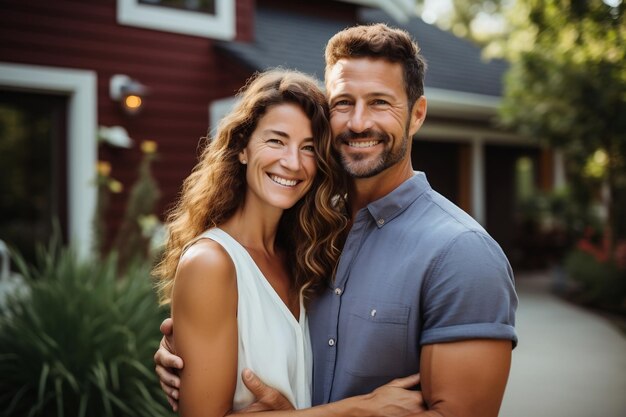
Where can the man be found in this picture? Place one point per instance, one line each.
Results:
(420, 286)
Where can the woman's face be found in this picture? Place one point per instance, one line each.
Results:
(280, 158)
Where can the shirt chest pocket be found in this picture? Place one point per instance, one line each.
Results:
(377, 340)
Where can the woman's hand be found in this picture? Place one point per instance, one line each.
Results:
(395, 398)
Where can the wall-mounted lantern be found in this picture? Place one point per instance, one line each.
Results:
(130, 93)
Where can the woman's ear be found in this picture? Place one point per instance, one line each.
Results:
(243, 157)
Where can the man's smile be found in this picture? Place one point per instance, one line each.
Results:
(363, 144)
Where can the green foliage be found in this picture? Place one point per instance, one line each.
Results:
(602, 282)
(567, 88)
(105, 185)
(81, 342)
(132, 241)
(477, 20)
(560, 210)
(140, 226)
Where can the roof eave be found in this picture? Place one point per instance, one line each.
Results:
(449, 102)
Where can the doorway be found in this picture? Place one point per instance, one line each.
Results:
(512, 175)
(33, 165)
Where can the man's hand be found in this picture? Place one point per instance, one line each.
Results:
(168, 364)
(267, 398)
(396, 398)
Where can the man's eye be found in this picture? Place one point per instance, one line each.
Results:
(340, 103)
(380, 102)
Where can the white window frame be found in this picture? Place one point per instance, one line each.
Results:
(80, 86)
(218, 109)
(219, 26)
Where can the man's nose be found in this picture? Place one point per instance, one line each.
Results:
(360, 119)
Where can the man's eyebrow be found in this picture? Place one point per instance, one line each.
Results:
(339, 95)
(368, 95)
(380, 94)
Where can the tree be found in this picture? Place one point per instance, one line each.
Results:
(567, 87)
(476, 20)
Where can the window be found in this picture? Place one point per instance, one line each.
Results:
(206, 18)
(202, 6)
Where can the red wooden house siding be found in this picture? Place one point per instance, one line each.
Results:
(184, 75)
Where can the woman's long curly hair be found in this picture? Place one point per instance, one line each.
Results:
(311, 232)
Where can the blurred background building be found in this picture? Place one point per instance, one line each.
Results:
(167, 70)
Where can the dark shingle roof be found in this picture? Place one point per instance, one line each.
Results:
(453, 63)
(297, 41)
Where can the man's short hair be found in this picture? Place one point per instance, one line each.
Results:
(381, 41)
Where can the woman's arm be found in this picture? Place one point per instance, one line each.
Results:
(393, 399)
(205, 306)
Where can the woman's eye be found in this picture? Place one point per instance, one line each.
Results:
(274, 141)
(308, 148)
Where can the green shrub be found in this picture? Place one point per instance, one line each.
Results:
(601, 282)
(81, 342)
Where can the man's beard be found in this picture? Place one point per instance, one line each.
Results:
(357, 165)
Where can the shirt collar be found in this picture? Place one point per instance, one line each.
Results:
(388, 207)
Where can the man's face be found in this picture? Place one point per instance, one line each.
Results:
(369, 114)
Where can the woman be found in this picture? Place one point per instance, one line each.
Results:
(257, 226)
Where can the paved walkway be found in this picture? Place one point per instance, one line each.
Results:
(569, 362)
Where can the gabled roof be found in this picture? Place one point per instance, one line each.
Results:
(297, 41)
(286, 39)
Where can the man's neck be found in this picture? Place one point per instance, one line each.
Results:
(363, 191)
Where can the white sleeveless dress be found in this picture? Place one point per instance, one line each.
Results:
(271, 342)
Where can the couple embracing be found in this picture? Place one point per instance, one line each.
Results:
(311, 271)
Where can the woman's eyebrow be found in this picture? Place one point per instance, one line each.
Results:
(277, 132)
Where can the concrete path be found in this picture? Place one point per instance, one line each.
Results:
(569, 362)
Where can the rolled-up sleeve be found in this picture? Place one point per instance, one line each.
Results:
(469, 292)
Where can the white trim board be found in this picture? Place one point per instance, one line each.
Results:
(441, 131)
(81, 88)
(453, 103)
(219, 26)
(401, 10)
(218, 109)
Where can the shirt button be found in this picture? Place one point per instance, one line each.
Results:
(373, 313)
(381, 221)
(338, 291)
(331, 342)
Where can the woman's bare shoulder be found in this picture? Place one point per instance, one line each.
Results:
(205, 265)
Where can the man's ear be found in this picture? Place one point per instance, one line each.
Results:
(418, 114)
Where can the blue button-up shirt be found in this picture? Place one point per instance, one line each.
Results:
(415, 270)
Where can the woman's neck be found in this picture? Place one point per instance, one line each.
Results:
(254, 229)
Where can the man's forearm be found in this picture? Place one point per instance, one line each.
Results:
(352, 406)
